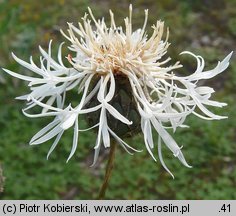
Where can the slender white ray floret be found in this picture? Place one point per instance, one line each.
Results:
(103, 57)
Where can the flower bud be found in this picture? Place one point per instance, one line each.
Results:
(124, 102)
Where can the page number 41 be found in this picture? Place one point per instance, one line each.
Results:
(225, 208)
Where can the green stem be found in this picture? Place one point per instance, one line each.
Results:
(109, 168)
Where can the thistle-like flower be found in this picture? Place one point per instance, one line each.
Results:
(107, 61)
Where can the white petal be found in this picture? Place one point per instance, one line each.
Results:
(70, 120)
(49, 102)
(111, 92)
(93, 92)
(182, 159)
(206, 111)
(169, 141)
(40, 114)
(101, 121)
(123, 143)
(149, 134)
(56, 130)
(23, 97)
(104, 131)
(89, 110)
(161, 158)
(54, 144)
(75, 140)
(31, 67)
(204, 90)
(146, 141)
(89, 128)
(96, 154)
(44, 130)
(52, 62)
(116, 114)
(59, 54)
(19, 76)
(45, 105)
(86, 86)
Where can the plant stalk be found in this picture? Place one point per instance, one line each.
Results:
(109, 168)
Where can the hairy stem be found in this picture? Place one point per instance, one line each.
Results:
(109, 168)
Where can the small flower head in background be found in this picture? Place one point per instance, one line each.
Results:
(126, 85)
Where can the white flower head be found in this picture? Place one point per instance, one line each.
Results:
(104, 57)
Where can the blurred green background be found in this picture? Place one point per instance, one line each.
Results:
(205, 27)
